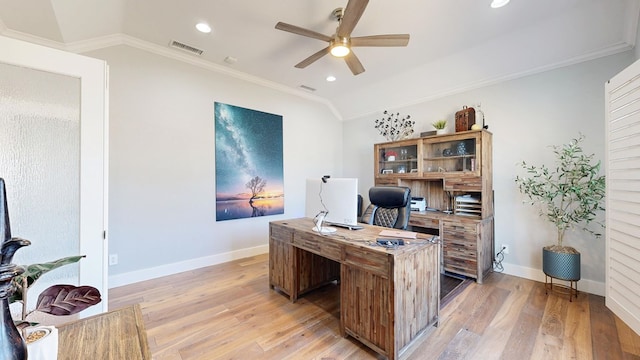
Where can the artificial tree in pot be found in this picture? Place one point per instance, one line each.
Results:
(570, 195)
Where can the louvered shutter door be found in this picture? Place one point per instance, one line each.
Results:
(622, 102)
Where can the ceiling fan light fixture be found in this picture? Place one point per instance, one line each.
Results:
(340, 47)
(499, 3)
(340, 51)
(340, 42)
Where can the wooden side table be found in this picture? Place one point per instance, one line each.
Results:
(114, 335)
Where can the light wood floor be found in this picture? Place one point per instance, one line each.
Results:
(227, 311)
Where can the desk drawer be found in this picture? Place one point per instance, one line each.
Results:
(459, 250)
(382, 181)
(460, 230)
(462, 267)
(318, 244)
(459, 183)
(460, 247)
(281, 233)
(378, 263)
(425, 222)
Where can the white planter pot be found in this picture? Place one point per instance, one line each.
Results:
(441, 131)
(45, 348)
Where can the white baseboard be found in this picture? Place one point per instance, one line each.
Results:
(584, 285)
(178, 267)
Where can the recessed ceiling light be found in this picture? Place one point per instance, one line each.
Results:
(203, 27)
(331, 78)
(499, 3)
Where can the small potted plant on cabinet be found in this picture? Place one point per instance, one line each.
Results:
(440, 126)
(570, 195)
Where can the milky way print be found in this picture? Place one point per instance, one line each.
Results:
(249, 168)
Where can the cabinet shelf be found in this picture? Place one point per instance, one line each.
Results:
(452, 172)
(450, 157)
(399, 161)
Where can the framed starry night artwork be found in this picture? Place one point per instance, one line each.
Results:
(249, 166)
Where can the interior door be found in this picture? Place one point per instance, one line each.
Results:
(53, 146)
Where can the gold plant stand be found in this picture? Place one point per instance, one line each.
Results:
(571, 289)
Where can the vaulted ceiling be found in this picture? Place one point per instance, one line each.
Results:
(455, 44)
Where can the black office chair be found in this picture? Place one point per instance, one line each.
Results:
(390, 207)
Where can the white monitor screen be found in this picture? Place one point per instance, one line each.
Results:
(338, 196)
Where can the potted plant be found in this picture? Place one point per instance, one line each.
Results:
(570, 195)
(440, 126)
(14, 283)
(55, 300)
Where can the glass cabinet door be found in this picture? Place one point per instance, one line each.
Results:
(451, 155)
(399, 158)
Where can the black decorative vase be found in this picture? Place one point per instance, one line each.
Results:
(12, 345)
(560, 265)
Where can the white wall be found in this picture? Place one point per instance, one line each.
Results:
(162, 178)
(525, 115)
(636, 49)
(162, 166)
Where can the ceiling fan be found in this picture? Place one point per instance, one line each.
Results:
(341, 42)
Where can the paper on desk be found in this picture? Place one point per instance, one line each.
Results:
(399, 233)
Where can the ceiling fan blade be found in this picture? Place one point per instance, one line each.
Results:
(351, 16)
(381, 40)
(354, 64)
(311, 59)
(302, 31)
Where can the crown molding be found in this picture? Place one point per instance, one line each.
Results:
(195, 61)
(617, 48)
(631, 23)
(122, 39)
(31, 38)
(102, 42)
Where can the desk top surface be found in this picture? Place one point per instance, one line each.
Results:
(365, 237)
(116, 335)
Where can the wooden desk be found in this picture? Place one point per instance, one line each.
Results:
(114, 335)
(388, 297)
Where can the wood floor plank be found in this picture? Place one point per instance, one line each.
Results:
(460, 345)
(496, 336)
(228, 311)
(577, 331)
(627, 339)
(484, 315)
(522, 337)
(549, 341)
(441, 336)
(604, 335)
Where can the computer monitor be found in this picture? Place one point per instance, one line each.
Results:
(332, 201)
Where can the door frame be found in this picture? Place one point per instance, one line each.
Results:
(94, 135)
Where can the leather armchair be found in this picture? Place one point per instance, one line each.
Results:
(390, 207)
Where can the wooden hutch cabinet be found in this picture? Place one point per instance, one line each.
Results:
(453, 173)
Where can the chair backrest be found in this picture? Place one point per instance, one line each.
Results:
(390, 207)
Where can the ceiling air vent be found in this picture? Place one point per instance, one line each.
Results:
(308, 88)
(185, 47)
